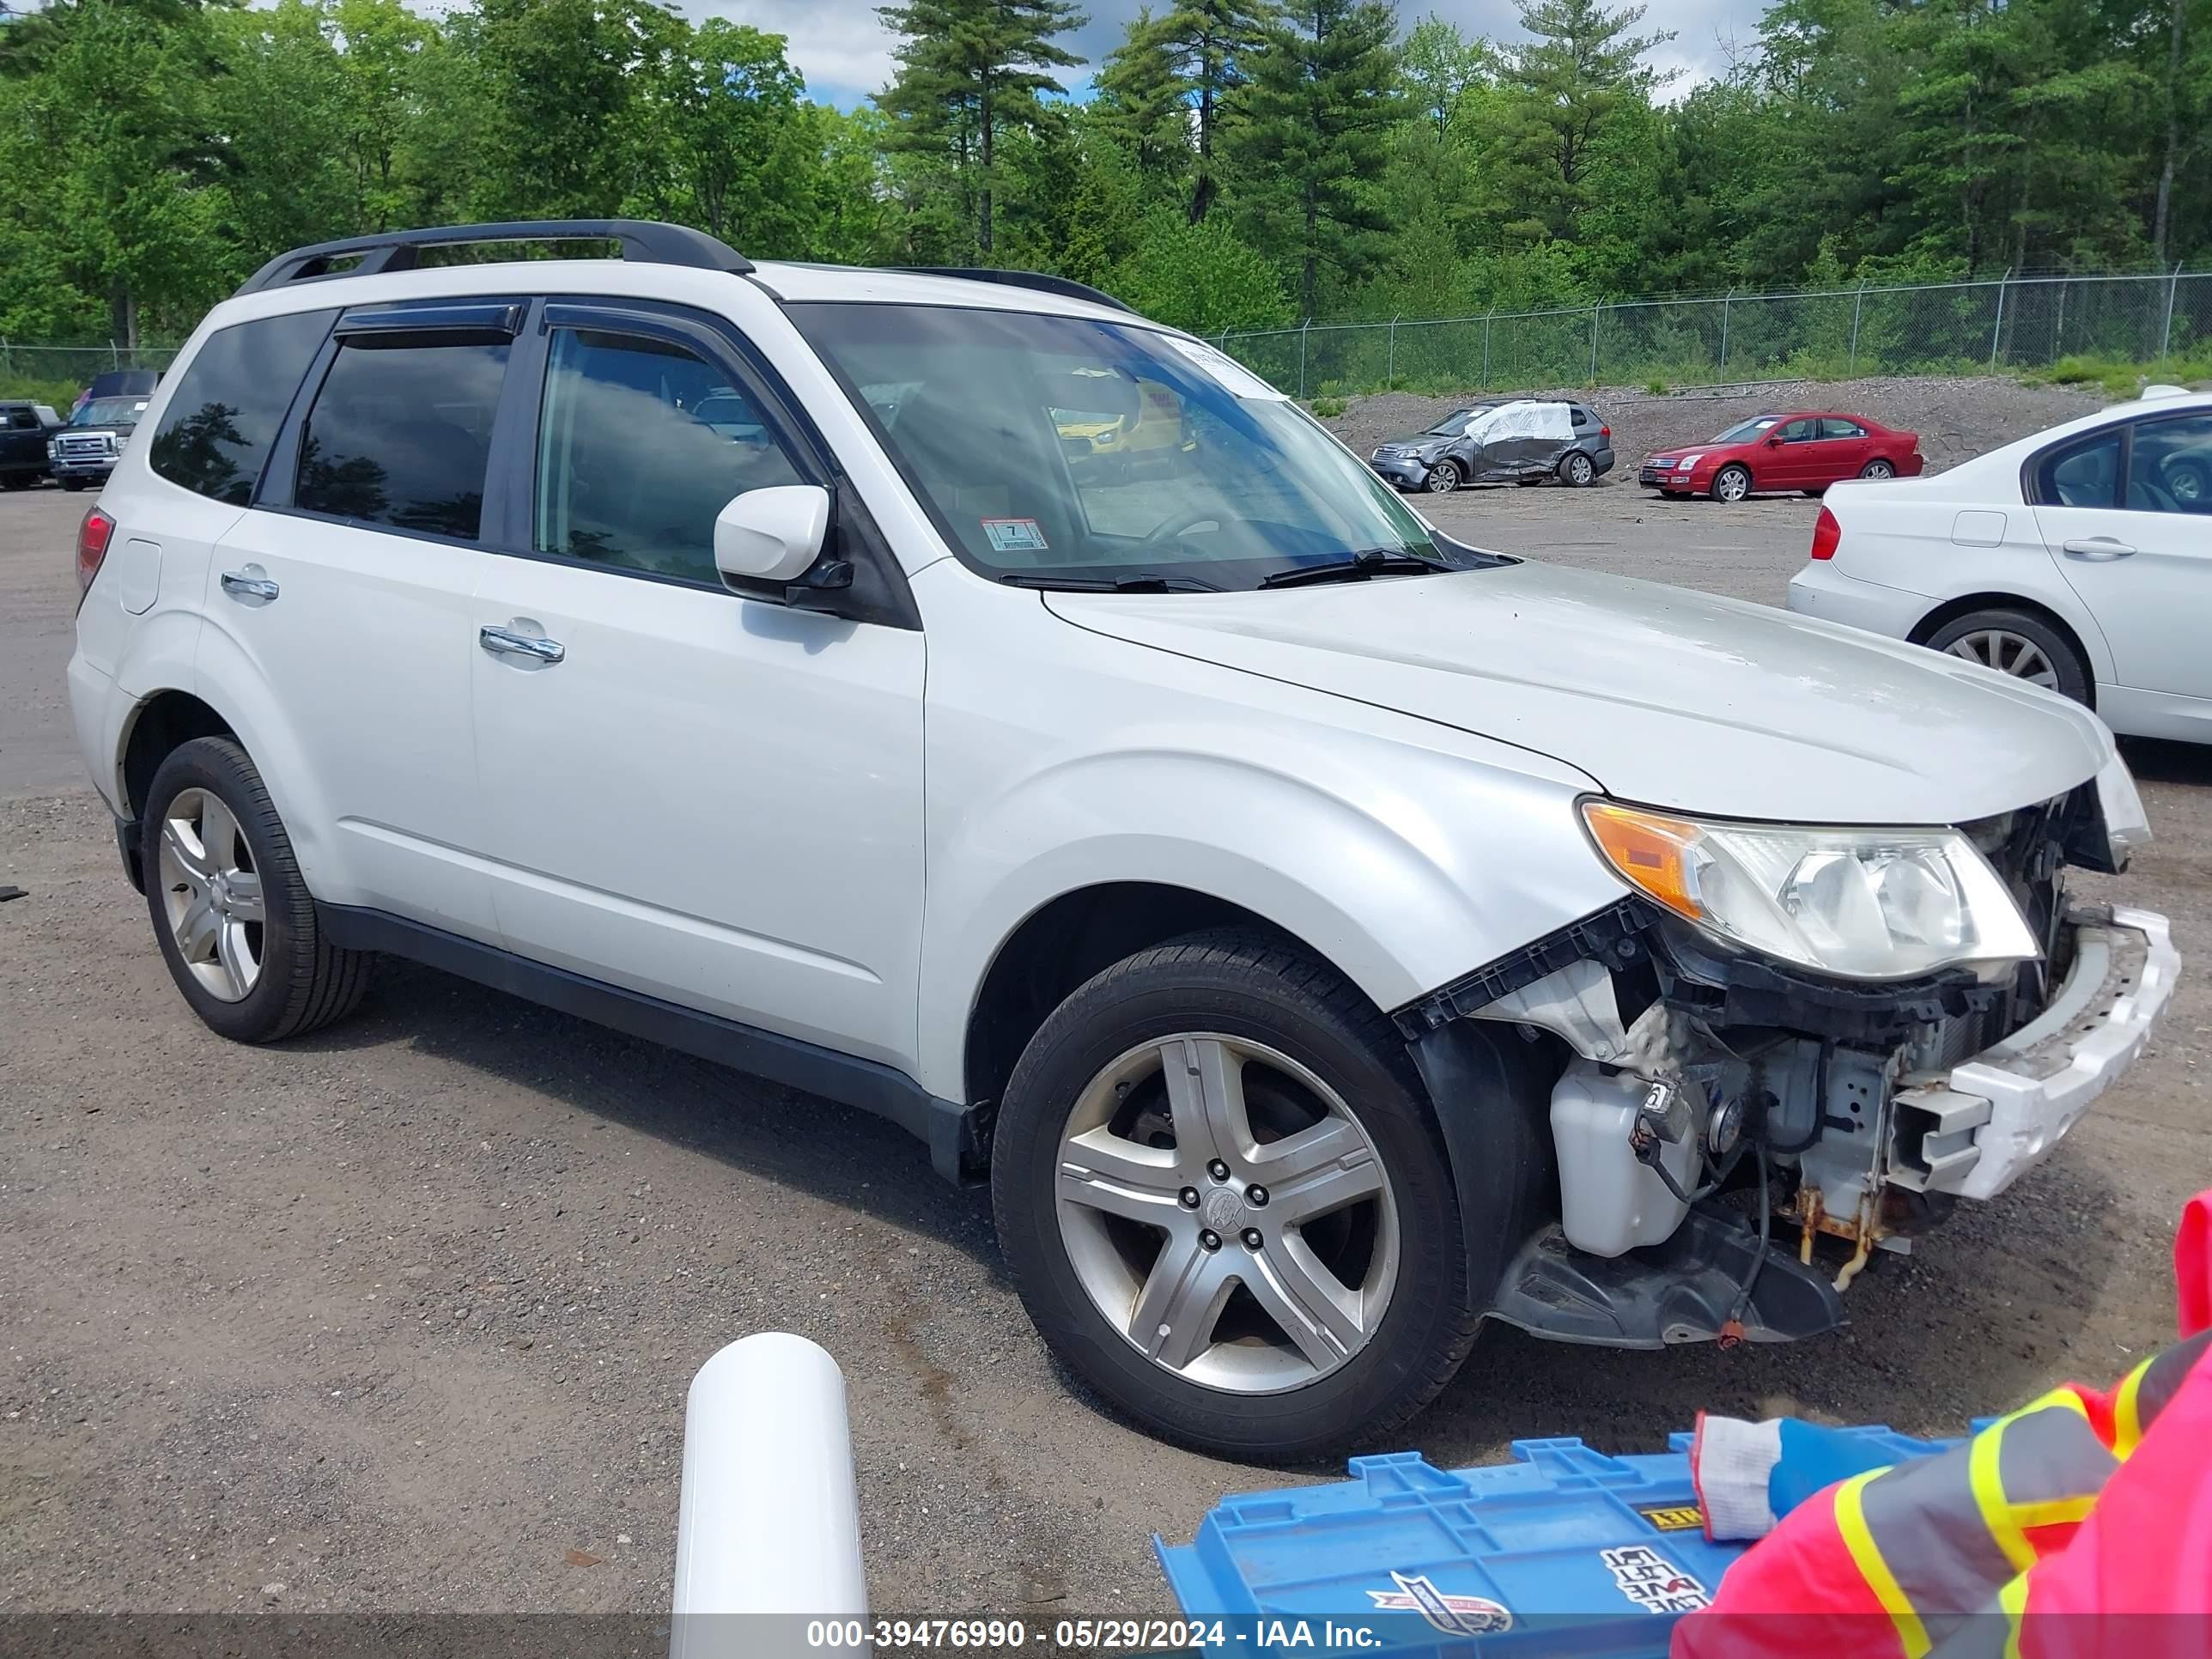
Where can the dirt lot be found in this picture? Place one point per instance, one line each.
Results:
(401, 1317)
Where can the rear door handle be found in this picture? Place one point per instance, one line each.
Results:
(2099, 548)
(252, 583)
(520, 639)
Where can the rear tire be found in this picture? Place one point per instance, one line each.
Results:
(1578, 469)
(235, 920)
(1276, 1014)
(2018, 643)
(1878, 468)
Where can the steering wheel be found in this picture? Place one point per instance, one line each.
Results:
(1177, 523)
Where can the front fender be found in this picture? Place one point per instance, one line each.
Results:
(1401, 884)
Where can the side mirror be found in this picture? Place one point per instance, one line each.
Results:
(1775, 442)
(771, 535)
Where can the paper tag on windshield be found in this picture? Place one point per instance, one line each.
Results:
(1236, 380)
(1014, 535)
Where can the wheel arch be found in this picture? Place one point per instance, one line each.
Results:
(1967, 604)
(158, 726)
(1065, 941)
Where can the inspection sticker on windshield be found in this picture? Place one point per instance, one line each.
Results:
(1236, 380)
(1014, 535)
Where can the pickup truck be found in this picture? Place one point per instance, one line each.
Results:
(24, 430)
(86, 450)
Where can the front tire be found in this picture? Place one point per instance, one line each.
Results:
(1443, 479)
(73, 484)
(1732, 482)
(234, 919)
(1226, 1202)
(2017, 643)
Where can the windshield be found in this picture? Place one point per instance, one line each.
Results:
(1064, 447)
(1744, 431)
(110, 411)
(1454, 423)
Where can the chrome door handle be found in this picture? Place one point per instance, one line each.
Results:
(251, 583)
(506, 642)
(2099, 548)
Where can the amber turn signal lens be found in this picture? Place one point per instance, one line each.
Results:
(1650, 850)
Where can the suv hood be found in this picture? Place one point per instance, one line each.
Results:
(1662, 695)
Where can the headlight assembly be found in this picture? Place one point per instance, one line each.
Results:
(1687, 462)
(1875, 904)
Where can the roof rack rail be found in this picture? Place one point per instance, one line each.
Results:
(1036, 279)
(642, 240)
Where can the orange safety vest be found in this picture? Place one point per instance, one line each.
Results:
(2071, 1505)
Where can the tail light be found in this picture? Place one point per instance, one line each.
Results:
(1605, 432)
(92, 539)
(1826, 533)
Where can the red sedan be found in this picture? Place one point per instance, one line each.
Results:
(1807, 451)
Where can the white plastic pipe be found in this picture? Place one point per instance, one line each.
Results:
(769, 1522)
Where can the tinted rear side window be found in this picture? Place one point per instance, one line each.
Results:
(400, 433)
(216, 434)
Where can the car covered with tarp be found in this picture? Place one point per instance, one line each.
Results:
(1524, 441)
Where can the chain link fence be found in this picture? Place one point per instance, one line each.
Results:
(71, 367)
(1947, 328)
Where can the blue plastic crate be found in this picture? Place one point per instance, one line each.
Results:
(1562, 1551)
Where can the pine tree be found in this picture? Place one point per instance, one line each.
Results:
(1140, 101)
(1207, 42)
(1581, 68)
(968, 70)
(1309, 154)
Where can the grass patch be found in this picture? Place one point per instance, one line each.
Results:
(2124, 377)
(57, 395)
(1329, 408)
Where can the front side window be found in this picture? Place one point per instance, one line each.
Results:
(2085, 474)
(216, 433)
(1797, 432)
(641, 444)
(1064, 448)
(400, 433)
(2170, 465)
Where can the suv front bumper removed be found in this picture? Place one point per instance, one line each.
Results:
(1990, 1119)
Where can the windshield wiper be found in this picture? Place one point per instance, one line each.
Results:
(1369, 562)
(1148, 583)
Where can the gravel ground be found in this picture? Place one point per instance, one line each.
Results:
(1955, 418)
(400, 1318)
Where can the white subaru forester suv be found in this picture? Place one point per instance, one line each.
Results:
(1324, 936)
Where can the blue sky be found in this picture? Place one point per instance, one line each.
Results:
(842, 49)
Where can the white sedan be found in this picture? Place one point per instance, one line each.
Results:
(2079, 559)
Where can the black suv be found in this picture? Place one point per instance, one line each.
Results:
(24, 430)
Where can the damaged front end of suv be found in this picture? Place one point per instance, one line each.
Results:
(1790, 1033)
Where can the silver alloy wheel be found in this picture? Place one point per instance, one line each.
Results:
(1443, 479)
(211, 894)
(1248, 1265)
(1580, 469)
(1878, 469)
(1733, 484)
(2008, 653)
